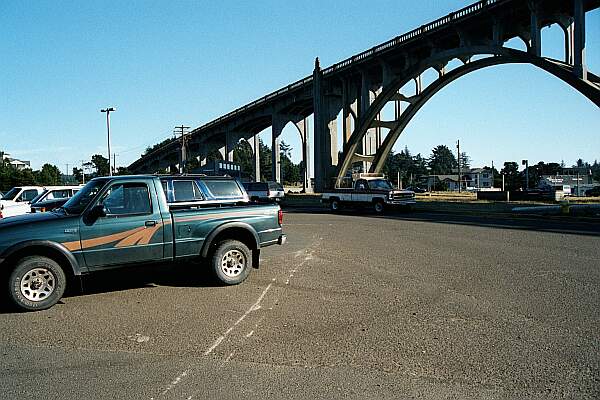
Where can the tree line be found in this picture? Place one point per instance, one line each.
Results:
(411, 168)
(50, 175)
(442, 161)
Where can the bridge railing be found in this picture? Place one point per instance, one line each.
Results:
(402, 39)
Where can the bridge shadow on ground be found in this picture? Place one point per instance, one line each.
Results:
(561, 225)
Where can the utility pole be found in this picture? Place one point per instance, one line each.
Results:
(182, 130)
(114, 165)
(458, 149)
(82, 172)
(67, 175)
(492, 173)
(108, 110)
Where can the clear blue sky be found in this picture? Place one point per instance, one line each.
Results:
(165, 63)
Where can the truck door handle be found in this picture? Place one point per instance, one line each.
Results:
(150, 223)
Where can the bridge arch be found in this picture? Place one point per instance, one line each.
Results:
(499, 56)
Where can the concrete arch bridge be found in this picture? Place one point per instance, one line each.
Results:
(360, 87)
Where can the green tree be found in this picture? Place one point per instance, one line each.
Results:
(100, 164)
(77, 174)
(595, 170)
(123, 171)
(465, 162)
(265, 162)
(244, 157)
(442, 161)
(49, 175)
(290, 172)
(512, 177)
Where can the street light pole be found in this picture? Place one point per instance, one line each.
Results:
(526, 164)
(108, 110)
(458, 151)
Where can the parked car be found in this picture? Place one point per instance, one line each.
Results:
(51, 193)
(18, 199)
(124, 220)
(264, 191)
(53, 198)
(593, 192)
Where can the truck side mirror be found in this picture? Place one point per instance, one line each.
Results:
(96, 212)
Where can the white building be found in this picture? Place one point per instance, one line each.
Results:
(18, 164)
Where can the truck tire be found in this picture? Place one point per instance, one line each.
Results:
(36, 283)
(231, 262)
(335, 205)
(378, 206)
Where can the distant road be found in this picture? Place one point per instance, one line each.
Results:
(354, 306)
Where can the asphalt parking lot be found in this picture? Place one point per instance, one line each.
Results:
(353, 306)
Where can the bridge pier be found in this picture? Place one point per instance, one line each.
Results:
(304, 130)
(579, 40)
(535, 31)
(231, 140)
(350, 108)
(278, 122)
(256, 149)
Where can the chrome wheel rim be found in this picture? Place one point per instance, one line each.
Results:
(233, 263)
(38, 284)
(378, 207)
(334, 205)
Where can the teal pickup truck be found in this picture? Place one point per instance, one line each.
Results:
(118, 221)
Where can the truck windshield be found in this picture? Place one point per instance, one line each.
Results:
(12, 193)
(82, 198)
(380, 184)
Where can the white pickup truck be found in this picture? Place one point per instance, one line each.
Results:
(371, 190)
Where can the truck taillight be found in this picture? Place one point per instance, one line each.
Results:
(1, 216)
(280, 217)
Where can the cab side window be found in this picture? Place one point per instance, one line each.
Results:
(186, 191)
(127, 199)
(29, 195)
(58, 194)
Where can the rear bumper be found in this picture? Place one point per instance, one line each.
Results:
(282, 239)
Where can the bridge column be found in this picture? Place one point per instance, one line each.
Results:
(223, 151)
(569, 42)
(535, 29)
(305, 135)
(256, 149)
(579, 40)
(230, 142)
(350, 107)
(322, 152)
(277, 125)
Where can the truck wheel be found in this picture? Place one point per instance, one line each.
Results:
(378, 206)
(36, 283)
(335, 205)
(231, 262)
